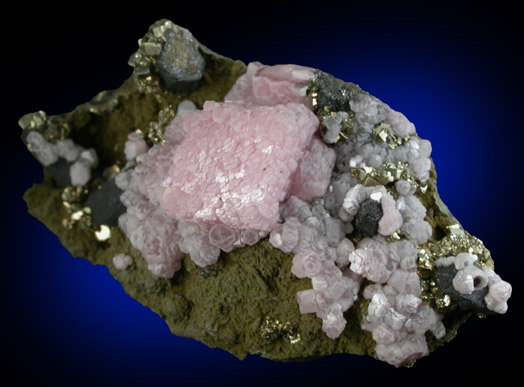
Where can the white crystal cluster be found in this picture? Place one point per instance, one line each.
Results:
(135, 147)
(122, 261)
(471, 277)
(204, 243)
(398, 320)
(337, 267)
(361, 151)
(333, 125)
(396, 316)
(321, 251)
(150, 231)
(81, 160)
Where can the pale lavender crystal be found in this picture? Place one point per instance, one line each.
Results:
(497, 298)
(413, 214)
(396, 316)
(333, 125)
(122, 261)
(80, 172)
(307, 301)
(400, 124)
(223, 237)
(43, 150)
(344, 248)
(250, 237)
(373, 260)
(398, 323)
(306, 265)
(68, 150)
(135, 146)
(360, 152)
(334, 322)
(304, 233)
(314, 172)
(469, 279)
(174, 133)
(194, 240)
(152, 237)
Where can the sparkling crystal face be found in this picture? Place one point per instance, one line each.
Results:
(235, 164)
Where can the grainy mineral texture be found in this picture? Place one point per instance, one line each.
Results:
(271, 210)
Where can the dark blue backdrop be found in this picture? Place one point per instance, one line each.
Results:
(454, 72)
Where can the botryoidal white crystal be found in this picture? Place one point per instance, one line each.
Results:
(80, 171)
(396, 316)
(333, 125)
(45, 152)
(81, 161)
(360, 151)
(134, 146)
(122, 261)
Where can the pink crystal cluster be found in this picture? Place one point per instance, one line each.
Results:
(235, 164)
(218, 181)
(321, 251)
(396, 316)
(336, 267)
(399, 321)
(272, 85)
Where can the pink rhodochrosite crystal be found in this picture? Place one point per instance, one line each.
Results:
(219, 180)
(314, 172)
(235, 163)
(271, 85)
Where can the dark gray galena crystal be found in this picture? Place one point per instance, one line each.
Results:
(368, 216)
(180, 64)
(473, 301)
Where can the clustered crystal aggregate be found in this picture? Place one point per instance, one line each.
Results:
(336, 185)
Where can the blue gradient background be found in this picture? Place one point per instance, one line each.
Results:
(453, 71)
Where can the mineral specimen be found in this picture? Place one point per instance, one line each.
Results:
(273, 210)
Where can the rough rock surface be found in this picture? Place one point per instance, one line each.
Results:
(354, 257)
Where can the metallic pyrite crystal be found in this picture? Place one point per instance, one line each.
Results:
(261, 209)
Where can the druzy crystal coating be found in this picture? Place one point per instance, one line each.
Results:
(326, 193)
